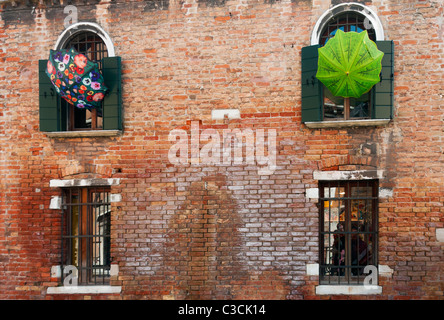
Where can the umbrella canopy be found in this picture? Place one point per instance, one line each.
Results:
(77, 79)
(349, 64)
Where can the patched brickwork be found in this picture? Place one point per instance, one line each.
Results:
(200, 231)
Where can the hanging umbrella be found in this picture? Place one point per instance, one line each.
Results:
(349, 64)
(77, 79)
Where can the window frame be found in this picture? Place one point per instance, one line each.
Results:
(344, 272)
(82, 239)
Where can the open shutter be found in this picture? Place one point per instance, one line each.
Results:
(49, 102)
(383, 91)
(311, 94)
(112, 103)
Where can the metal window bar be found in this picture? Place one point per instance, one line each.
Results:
(345, 253)
(86, 234)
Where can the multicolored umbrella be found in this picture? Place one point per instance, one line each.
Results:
(77, 79)
(349, 64)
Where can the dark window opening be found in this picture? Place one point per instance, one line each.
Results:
(338, 108)
(86, 226)
(348, 230)
(93, 47)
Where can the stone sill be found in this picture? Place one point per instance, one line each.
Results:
(347, 123)
(84, 290)
(84, 133)
(348, 290)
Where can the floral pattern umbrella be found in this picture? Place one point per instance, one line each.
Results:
(75, 78)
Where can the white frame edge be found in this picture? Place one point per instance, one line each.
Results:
(344, 7)
(85, 26)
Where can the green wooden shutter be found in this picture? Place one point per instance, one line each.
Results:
(311, 94)
(112, 104)
(383, 91)
(49, 102)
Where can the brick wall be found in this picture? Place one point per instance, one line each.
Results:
(219, 231)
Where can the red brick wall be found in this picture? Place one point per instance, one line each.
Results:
(202, 231)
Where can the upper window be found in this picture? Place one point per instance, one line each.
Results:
(318, 103)
(56, 115)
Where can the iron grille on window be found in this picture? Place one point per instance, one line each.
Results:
(348, 230)
(86, 233)
(92, 46)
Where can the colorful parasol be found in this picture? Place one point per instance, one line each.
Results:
(75, 78)
(349, 64)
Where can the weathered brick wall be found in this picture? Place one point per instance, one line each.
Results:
(217, 231)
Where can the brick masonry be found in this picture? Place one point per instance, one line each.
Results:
(217, 231)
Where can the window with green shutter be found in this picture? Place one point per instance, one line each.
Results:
(56, 115)
(318, 104)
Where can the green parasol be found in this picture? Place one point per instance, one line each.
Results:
(349, 64)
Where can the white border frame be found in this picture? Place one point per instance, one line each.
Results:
(347, 7)
(85, 26)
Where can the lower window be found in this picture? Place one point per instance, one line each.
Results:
(348, 230)
(86, 224)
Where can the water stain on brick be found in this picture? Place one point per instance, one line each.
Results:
(211, 3)
(335, 2)
(207, 246)
(153, 5)
(13, 14)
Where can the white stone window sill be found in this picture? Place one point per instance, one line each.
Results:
(83, 133)
(347, 123)
(348, 290)
(84, 290)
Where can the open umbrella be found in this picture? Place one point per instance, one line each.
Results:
(77, 79)
(349, 64)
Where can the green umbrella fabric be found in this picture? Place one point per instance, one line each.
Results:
(75, 78)
(349, 64)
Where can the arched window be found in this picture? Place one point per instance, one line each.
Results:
(318, 103)
(56, 115)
